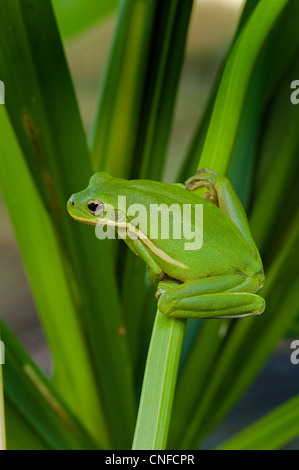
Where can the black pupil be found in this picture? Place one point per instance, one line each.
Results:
(93, 207)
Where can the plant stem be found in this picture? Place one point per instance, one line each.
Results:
(159, 383)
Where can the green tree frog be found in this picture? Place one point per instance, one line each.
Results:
(218, 276)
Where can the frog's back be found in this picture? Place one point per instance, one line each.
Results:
(223, 251)
(217, 246)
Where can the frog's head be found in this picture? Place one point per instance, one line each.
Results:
(98, 203)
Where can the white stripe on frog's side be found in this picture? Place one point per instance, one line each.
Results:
(162, 254)
(138, 234)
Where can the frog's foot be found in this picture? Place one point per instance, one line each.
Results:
(165, 284)
(207, 178)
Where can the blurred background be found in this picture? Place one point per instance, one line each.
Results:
(212, 27)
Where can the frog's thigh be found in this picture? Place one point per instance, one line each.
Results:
(212, 297)
(154, 272)
(231, 205)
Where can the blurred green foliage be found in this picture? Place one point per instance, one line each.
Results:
(94, 303)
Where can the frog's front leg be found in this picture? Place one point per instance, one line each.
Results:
(155, 273)
(227, 296)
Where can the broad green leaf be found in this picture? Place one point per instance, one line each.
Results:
(115, 126)
(190, 162)
(270, 432)
(75, 16)
(243, 159)
(40, 250)
(269, 73)
(234, 83)
(139, 304)
(45, 116)
(34, 398)
(19, 433)
(282, 52)
(135, 110)
(162, 80)
(277, 170)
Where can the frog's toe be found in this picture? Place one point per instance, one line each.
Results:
(209, 173)
(207, 178)
(159, 293)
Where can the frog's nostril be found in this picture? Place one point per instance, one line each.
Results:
(72, 201)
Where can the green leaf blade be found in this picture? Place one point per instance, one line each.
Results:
(230, 98)
(271, 432)
(75, 16)
(50, 132)
(37, 403)
(48, 282)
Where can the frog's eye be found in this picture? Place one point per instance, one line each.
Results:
(96, 207)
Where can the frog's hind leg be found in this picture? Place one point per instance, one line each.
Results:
(222, 194)
(229, 296)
